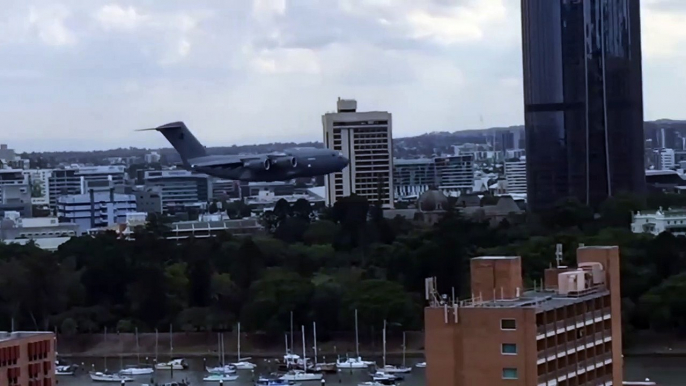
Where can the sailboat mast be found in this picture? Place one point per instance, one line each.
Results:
(292, 345)
(384, 343)
(219, 349)
(239, 341)
(357, 338)
(304, 352)
(138, 351)
(314, 333)
(171, 342)
(156, 343)
(223, 361)
(404, 347)
(105, 346)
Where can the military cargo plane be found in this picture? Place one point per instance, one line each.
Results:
(278, 166)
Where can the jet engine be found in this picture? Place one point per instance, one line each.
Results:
(286, 162)
(258, 164)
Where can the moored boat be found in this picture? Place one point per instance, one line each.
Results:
(217, 377)
(300, 376)
(137, 370)
(420, 365)
(175, 364)
(108, 377)
(274, 382)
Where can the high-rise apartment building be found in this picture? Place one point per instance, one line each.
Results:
(566, 332)
(583, 98)
(412, 177)
(515, 176)
(366, 139)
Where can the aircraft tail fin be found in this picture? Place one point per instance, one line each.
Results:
(182, 140)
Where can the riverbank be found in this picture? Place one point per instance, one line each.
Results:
(205, 344)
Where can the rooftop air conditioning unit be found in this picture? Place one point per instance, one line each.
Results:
(596, 270)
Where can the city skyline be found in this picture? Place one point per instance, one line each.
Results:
(263, 71)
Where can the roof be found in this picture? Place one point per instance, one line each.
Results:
(5, 335)
(541, 300)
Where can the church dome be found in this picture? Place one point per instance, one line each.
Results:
(432, 200)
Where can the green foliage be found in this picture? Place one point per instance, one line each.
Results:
(322, 269)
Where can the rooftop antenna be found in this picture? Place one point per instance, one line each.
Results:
(430, 293)
(558, 255)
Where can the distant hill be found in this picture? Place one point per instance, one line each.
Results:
(420, 145)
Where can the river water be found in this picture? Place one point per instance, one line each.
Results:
(664, 371)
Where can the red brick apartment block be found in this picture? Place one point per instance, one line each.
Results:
(565, 332)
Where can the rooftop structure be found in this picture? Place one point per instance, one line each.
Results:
(212, 225)
(566, 331)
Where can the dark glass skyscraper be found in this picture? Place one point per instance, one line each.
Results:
(583, 98)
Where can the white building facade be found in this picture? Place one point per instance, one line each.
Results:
(515, 176)
(95, 209)
(366, 139)
(656, 222)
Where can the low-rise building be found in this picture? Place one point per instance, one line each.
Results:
(178, 187)
(27, 358)
(515, 176)
(46, 232)
(658, 221)
(95, 209)
(212, 225)
(452, 175)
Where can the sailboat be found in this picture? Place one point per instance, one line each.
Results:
(140, 368)
(355, 362)
(301, 375)
(321, 367)
(174, 363)
(222, 368)
(392, 369)
(106, 376)
(242, 363)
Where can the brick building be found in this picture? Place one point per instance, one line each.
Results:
(27, 358)
(565, 332)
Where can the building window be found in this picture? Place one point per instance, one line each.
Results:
(509, 373)
(508, 349)
(508, 324)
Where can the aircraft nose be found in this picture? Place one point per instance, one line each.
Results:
(344, 161)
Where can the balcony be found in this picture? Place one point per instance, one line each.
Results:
(574, 346)
(576, 369)
(570, 324)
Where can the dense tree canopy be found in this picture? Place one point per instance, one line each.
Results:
(352, 258)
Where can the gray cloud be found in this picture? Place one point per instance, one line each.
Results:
(79, 73)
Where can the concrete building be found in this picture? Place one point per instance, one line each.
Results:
(15, 192)
(665, 159)
(148, 200)
(366, 139)
(46, 232)
(515, 176)
(178, 187)
(454, 174)
(39, 180)
(658, 221)
(7, 154)
(212, 225)
(71, 180)
(95, 209)
(224, 189)
(27, 358)
(565, 332)
(152, 157)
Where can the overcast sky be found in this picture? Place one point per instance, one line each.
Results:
(79, 74)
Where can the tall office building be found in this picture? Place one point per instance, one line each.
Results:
(565, 332)
(583, 99)
(366, 139)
